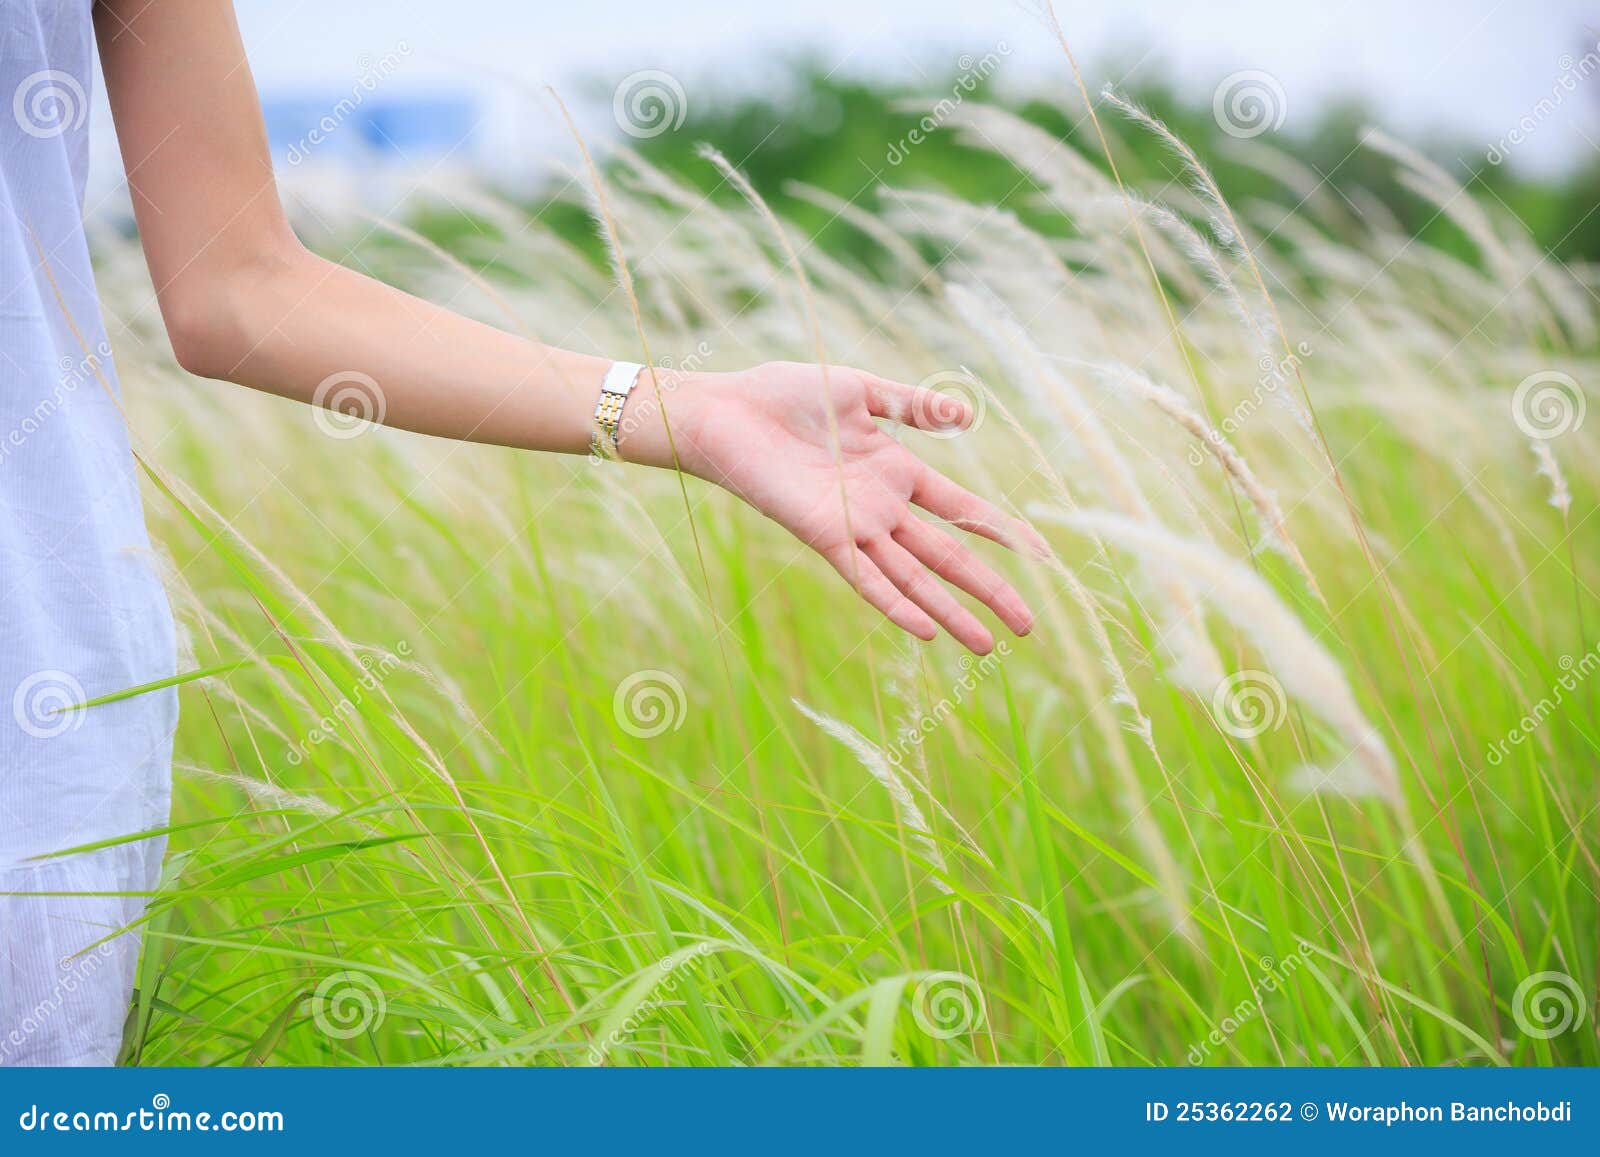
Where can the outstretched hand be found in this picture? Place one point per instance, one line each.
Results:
(799, 443)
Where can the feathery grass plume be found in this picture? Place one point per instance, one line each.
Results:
(1430, 182)
(1193, 659)
(1550, 469)
(1170, 879)
(904, 687)
(1515, 276)
(260, 791)
(878, 766)
(996, 239)
(1176, 407)
(1224, 225)
(920, 271)
(490, 560)
(1252, 315)
(1070, 181)
(1307, 671)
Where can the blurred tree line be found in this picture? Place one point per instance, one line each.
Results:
(846, 135)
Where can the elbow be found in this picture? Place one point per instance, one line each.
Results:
(201, 337)
(213, 315)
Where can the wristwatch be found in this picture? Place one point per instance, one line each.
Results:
(614, 390)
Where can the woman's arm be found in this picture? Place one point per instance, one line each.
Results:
(244, 301)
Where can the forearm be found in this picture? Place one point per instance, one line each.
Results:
(244, 301)
(305, 328)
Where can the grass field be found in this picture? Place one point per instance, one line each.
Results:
(1299, 765)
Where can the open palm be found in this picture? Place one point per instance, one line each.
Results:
(799, 443)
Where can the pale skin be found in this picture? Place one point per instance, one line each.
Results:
(244, 301)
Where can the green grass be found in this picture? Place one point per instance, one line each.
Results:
(484, 862)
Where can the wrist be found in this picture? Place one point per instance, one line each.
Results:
(661, 422)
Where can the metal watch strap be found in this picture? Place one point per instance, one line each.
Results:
(614, 390)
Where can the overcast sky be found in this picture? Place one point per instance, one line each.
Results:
(1476, 66)
(1472, 67)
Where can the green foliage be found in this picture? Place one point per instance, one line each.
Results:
(484, 763)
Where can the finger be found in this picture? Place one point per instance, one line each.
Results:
(917, 406)
(955, 563)
(870, 583)
(927, 592)
(960, 507)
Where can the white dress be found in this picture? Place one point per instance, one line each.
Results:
(82, 611)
